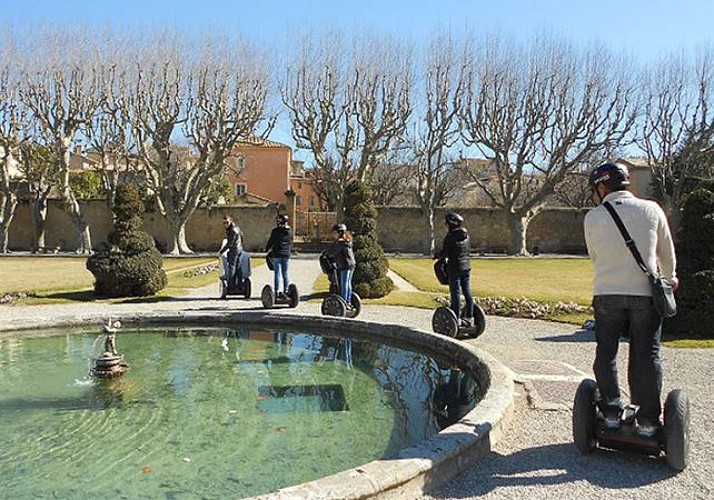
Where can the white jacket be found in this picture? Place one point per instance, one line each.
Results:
(616, 272)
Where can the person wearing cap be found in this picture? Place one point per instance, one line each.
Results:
(233, 244)
(457, 252)
(622, 297)
(344, 257)
(279, 248)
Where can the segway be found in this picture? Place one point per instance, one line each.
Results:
(240, 284)
(590, 432)
(444, 320)
(270, 299)
(334, 304)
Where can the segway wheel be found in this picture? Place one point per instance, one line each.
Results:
(267, 297)
(584, 416)
(293, 295)
(223, 288)
(334, 305)
(247, 288)
(676, 429)
(444, 322)
(479, 321)
(356, 304)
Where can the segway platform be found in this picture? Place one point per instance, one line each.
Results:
(590, 432)
(335, 305)
(270, 299)
(241, 284)
(444, 321)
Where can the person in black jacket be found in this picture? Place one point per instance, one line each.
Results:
(457, 252)
(233, 245)
(344, 257)
(279, 247)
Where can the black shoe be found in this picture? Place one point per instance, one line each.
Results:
(467, 322)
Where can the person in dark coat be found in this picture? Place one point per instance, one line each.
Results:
(457, 252)
(233, 245)
(344, 257)
(279, 247)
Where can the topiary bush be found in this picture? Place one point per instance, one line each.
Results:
(129, 265)
(370, 278)
(695, 268)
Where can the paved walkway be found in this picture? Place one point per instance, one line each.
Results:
(536, 458)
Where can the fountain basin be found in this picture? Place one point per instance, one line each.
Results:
(416, 468)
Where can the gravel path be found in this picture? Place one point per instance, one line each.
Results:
(536, 459)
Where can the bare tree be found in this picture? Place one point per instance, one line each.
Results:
(213, 97)
(347, 107)
(13, 133)
(537, 113)
(109, 132)
(677, 123)
(39, 174)
(390, 182)
(436, 130)
(61, 75)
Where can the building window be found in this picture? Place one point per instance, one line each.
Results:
(240, 189)
(311, 201)
(298, 200)
(299, 185)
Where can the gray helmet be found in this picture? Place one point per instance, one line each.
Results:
(453, 219)
(282, 219)
(613, 175)
(340, 228)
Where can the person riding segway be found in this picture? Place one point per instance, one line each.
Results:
(279, 248)
(629, 242)
(338, 262)
(453, 268)
(234, 262)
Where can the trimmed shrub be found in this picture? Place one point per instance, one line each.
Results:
(129, 265)
(695, 268)
(370, 278)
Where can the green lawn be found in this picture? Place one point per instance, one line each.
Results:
(545, 280)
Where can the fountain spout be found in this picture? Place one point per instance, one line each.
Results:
(110, 364)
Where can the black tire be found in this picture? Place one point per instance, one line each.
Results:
(334, 305)
(676, 429)
(293, 295)
(267, 297)
(247, 288)
(356, 304)
(222, 289)
(444, 322)
(584, 416)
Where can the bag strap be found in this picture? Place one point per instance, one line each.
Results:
(626, 235)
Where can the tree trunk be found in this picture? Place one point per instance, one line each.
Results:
(518, 228)
(430, 247)
(178, 237)
(38, 209)
(75, 211)
(9, 204)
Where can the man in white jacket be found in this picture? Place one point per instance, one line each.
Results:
(622, 299)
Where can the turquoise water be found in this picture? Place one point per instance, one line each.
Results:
(205, 413)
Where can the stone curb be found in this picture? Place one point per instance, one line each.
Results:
(417, 469)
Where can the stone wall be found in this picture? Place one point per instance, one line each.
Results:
(557, 230)
(400, 229)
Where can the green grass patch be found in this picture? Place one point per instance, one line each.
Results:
(56, 280)
(543, 280)
(689, 343)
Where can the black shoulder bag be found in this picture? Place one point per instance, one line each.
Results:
(662, 293)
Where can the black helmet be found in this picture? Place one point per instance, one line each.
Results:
(340, 228)
(613, 175)
(282, 219)
(453, 219)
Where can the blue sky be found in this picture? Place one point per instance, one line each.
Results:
(644, 29)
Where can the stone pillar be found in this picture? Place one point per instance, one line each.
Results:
(290, 206)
